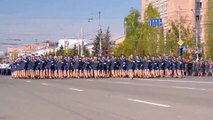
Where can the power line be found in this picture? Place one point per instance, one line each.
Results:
(50, 34)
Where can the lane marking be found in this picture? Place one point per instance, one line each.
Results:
(189, 88)
(28, 81)
(90, 80)
(150, 103)
(151, 85)
(177, 81)
(125, 83)
(44, 84)
(74, 89)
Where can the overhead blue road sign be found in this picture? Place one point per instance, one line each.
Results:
(155, 22)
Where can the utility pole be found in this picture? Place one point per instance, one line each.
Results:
(99, 19)
(78, 47)
(196, 33)
(82, 40)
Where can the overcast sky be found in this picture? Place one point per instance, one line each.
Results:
(31, 20)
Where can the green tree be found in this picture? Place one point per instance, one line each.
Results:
(172, 39)
(51, 53)
(69, 52)
(153, 36)
(86, 51)
(132, 22)
(107, 44)
(141, 39)
(60, 51)
(118, 50)
(131, 29)
(75, 50)
(96, 43)
(187, 35)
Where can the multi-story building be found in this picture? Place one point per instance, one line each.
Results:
(193, 11)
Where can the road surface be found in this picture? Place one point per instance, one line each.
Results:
(106, 99)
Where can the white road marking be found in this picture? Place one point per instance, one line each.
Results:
(190, 88)
(151, 85)
(177, 81)
(45, 84)
(28, 81)
(150, 103)
(90, 80)
(74, 89)
(125, 83)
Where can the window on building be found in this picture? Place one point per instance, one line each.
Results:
(147, 1)
(198, 18)
(164, 19)
(199, 5)
(165, 7)
(160, 9)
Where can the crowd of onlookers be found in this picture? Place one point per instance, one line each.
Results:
(5, 68)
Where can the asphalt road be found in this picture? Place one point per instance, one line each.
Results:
(106, 99)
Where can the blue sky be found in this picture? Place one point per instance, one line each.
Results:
(29, 20)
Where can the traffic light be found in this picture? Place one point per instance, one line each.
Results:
(181, 51)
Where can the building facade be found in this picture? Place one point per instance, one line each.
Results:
(193, 11)
(36, 49)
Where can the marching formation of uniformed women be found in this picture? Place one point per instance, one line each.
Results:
(54, 67)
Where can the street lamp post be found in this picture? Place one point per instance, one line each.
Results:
(99, 22)
(82, 40)
(196, 34)
(196, 38)
(99, 19)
